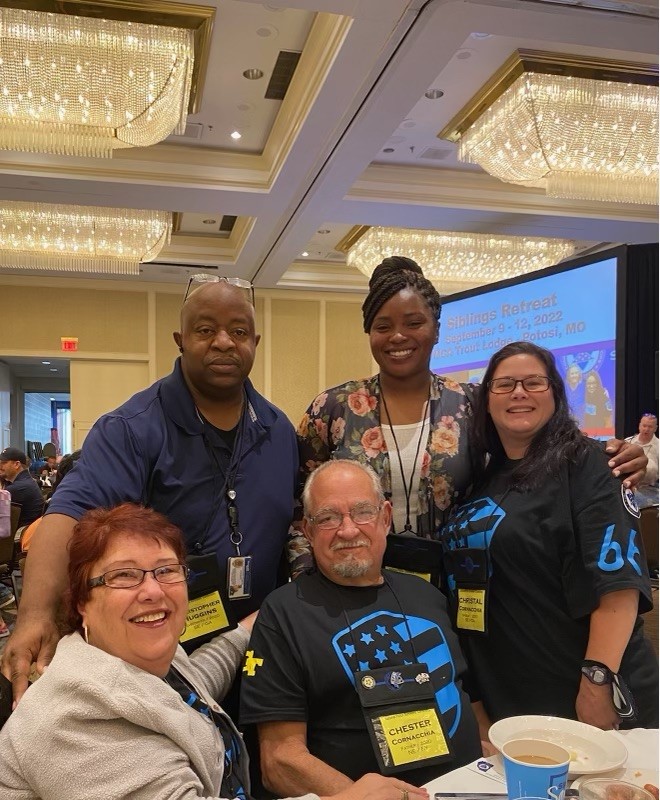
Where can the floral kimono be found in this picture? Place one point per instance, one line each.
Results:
(344, 422)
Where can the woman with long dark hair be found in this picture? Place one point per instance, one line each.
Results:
(543, 562)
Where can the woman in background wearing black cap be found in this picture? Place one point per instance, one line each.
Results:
(407, 423)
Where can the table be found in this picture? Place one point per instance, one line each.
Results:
(641, 743)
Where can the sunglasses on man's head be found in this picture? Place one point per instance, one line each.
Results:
(197, 281)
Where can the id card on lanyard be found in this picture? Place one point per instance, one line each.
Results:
(209, 591)
(402, 717)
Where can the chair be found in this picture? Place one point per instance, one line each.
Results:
(7, 546)
(648, 526)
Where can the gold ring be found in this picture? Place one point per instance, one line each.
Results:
(404, 794)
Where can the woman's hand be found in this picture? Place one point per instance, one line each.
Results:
(378, 787)
(594, 705)
(629, 461)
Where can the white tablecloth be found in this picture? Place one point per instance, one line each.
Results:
(642, 746)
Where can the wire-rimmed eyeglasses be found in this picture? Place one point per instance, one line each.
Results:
(197, 281)
(532, 383)
(329, 518)
(129, 577)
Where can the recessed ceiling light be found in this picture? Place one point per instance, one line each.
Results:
(388, 150)
(53, 369)
(323, 230)
(45, 362)
(304, 254)
(209, 221)
(253, 74)
(477, 35)
(267, 30)
(433, 94)
(463, 54)
(52, 399)
(235, 135)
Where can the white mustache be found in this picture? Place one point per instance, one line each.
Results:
(350, 545)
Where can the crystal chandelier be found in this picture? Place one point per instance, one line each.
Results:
(456, 261)
(80, 238)
(82, 86)
(587, 138)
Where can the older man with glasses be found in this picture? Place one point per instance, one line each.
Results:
(201, 446)
(352, 669)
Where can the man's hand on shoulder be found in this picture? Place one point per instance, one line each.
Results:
(628, 461)
(32, 642)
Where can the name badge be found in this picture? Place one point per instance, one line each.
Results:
(206, 615)
(239, 577)
(414, 736)
(471, 611)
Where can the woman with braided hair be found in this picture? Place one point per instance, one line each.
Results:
(406, 423)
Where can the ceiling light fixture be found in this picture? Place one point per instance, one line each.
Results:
(80, 238)
(580, 128)
(253, 74)
(434, 94)
(304, 254)
(235, 135)
(85, 86)
(45, 362)
(455, 261)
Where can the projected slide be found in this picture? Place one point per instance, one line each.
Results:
(572, 313)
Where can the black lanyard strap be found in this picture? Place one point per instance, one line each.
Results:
(407, 485)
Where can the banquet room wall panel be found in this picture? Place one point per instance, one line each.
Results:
(295, 352)
(347, 349)
(103, 321)
(113, 382)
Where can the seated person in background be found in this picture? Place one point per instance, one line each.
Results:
(349, 631)
(65, 466)
(647, 490)
(564, 578)
(125, 712)
(646, 438)
(21, 485)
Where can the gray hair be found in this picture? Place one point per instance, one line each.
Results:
(309, 484)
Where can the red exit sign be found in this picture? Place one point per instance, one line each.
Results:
(69, 343)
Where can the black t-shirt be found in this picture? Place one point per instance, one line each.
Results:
(24, 490)
(554, 552)
(312, 635)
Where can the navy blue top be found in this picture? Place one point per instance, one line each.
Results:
(24, 490)
(156, 450)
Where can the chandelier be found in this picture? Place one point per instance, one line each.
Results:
(582, 130)
(456, 261)
(80, 238)
(83, 86)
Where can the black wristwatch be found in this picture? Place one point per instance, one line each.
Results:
(598, 673)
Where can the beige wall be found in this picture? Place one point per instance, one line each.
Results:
(310, 340)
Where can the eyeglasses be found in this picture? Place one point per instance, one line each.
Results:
(532, 383)
(129, 577)
(198, 280)
(329, 519)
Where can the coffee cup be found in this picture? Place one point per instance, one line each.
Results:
(535, 769)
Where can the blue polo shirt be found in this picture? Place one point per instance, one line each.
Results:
(154, 450)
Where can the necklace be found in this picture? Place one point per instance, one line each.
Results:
(407, 483)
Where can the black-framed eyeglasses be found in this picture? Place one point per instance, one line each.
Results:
(329, 518)
(532, 383)
(129, 577)
(197, 281)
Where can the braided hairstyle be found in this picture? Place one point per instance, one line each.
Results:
(391, 276)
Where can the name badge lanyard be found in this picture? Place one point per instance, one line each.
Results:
(400, 710)
(472, 572)
(407, 484)
(239, 566)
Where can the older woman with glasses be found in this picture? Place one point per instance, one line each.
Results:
(122, 711)
(543, 562)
